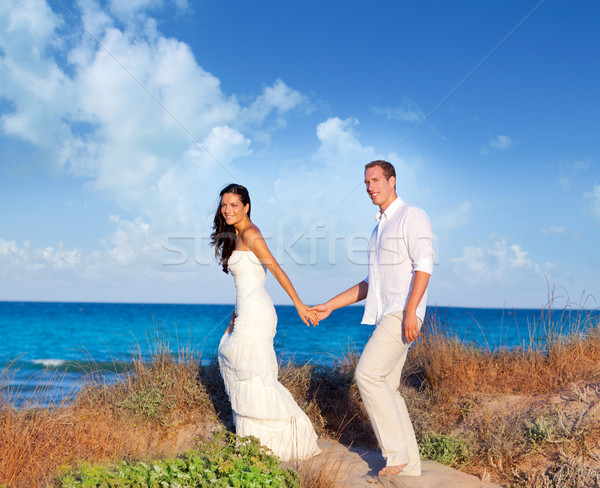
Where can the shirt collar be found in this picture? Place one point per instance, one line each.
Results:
(395, 205)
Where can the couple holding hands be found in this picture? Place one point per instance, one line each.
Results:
(401, 258)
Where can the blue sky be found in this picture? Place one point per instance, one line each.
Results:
(121, 121)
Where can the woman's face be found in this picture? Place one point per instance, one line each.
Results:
(232, 208)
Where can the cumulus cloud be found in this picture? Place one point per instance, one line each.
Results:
(128, 268)
(132, 114)
(499, 261)
(339, 145)
(136, 116)
(139, 121)
(277, 98)
(16, 258)
(340, 153)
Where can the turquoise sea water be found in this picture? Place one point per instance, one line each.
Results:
(57, 344)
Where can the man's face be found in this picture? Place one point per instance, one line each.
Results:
(379, 188)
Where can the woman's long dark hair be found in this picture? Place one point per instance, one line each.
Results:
(223, 236)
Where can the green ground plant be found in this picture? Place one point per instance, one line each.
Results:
(448, 449)
(224, 461)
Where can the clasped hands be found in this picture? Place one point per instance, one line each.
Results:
(313, 315)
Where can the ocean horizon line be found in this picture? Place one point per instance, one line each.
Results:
(567, 307)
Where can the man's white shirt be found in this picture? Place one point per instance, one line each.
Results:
(401, 243)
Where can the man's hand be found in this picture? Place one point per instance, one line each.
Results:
(322, 310)
(411, 327)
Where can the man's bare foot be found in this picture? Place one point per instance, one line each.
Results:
(392, 470)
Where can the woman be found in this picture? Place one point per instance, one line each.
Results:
(261, 406)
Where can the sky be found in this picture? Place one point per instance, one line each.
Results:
(120, 122)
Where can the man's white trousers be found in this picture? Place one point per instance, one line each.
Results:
(378, 378)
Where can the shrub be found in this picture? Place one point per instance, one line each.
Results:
(226, 460)
(540, 431)
(447, 449)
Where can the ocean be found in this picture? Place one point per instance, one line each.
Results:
(47, 349)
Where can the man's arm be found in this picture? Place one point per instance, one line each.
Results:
(411, 323)
(352, 295)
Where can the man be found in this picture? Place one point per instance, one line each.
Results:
(400, 264)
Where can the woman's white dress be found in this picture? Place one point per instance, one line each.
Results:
(261, 406)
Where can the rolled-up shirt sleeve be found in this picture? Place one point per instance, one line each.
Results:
(419, 240)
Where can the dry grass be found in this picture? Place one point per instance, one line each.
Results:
(521, 413)
(518, 409)
(154, 411)
(447, 365)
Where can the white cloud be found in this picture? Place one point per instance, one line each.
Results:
(339, 144)
(408, 111)
(322, 209)
(594, 199)
(11, 253)
(133, 10)
(13, 257)
(339, 154)
(31, 18)
(138, 118)
(498, 262)
(498, 142)
(278, 97)
(130, 267)
(145, 126)
(30, 81)
(132, 243)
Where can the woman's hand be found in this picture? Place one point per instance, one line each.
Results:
(308, 316)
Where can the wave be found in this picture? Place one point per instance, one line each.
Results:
(74, 366)
(49, 363)
(80, 367)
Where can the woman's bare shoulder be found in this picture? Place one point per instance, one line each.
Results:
(250, 234)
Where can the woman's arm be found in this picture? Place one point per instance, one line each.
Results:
(254, 240)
